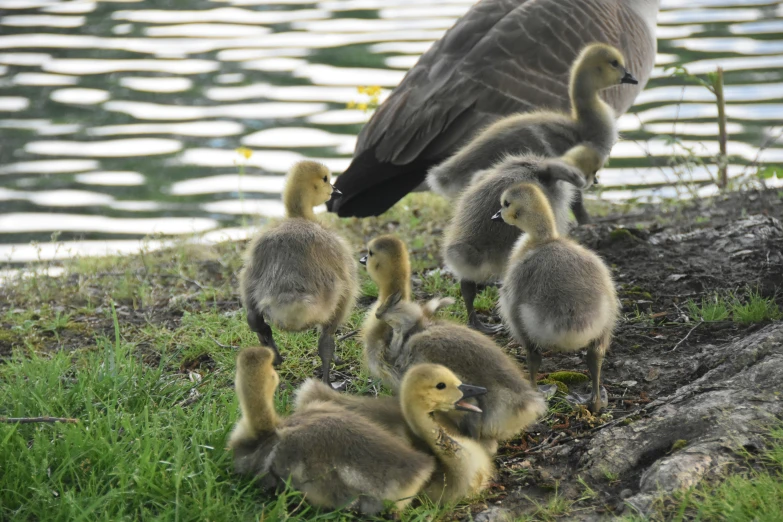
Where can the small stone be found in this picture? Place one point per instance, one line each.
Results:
(653, 374)
(626, 493)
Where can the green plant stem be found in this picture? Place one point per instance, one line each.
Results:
(723, 178)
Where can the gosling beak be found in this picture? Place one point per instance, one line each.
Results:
(469, 391)
(363, 260)
(498, 216)
(628, 78)
(595, 180)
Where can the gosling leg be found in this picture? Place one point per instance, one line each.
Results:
(326, 351)
(578, 208)
(595, 359)
(533, 363)
(255, 320)
(468, 291)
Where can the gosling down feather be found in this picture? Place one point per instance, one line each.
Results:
(502, 57)
(556, 294)
(298, 274)
(336, 458)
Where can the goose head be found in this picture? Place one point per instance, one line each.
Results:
(308, 185)
(526, 207)
(432, 387)
(586, 159)
(601, 66)
(387, 261)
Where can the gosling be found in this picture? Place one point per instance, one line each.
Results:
(464, 467)
(388, 266)
(509, 406)
(336, 458)
(298, 274)
(556, 294)
(475, 248)
(548, 133)
(429, 392)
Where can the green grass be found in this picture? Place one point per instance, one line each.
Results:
(713, 309)
(748, 308)
(754, 308)
(141, 350)
(151, 435)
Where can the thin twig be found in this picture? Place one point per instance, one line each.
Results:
(348, 335)
(218, 342)
(30, 420)
(686, 336)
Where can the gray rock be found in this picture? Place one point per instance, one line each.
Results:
(726, 409)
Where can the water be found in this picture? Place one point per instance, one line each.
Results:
(120, 119)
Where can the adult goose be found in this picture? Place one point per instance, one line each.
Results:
(502, 57)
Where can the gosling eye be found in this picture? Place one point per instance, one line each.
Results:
(615, 63)
(506, 204)
(325, 180)
(369, 253)
(441, 385)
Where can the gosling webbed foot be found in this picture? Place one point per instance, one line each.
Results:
(547, 390)
(269, 341)
(487, 329)
(593, 403)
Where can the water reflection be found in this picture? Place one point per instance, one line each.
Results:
(157, 84)
(123, 148)
(111, 178)
(80, 96)
(148, 103)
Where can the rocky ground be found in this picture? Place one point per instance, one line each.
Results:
(687, 395)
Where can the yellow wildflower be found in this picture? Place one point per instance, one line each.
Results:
(360, 89)
(373, 90)
(245, 152)
(350, 105)
(362, 107)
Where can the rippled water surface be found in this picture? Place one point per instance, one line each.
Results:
(120, 119)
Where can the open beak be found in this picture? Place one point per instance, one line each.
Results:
(498, 216)
(469, 391)
(628, 78)
(363, 260)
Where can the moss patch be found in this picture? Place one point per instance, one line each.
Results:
(569, 377)
(561, 386)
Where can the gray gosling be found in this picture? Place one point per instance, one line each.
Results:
(299, 274)
(335, 457)
(400, 334)
(475, 248)
(548, 133)
(556, 294)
